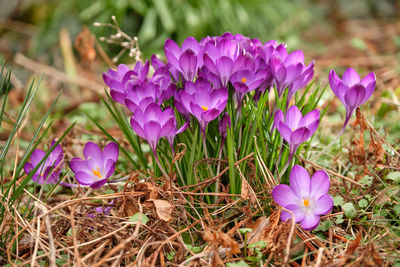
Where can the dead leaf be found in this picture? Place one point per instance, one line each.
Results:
(354, 245)
(164, 209)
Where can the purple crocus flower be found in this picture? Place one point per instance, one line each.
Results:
(186, 60)
(307, 198)
(97, 166)
(295, 128)
(203, 102)
(124, 79)
(287, 68)
(152, 124)
(224, 57)
(138, 95)
(118, 81)
(49, 171)
(351, 90)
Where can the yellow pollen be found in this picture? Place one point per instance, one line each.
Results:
(306, 202)
(204, 108)
(244, 80)
(97, 172)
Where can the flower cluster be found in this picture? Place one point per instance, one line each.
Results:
(201, 77)
(198, 75)
(93, 171)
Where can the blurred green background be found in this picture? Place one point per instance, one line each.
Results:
(152, 21)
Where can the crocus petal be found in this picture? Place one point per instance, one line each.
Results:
(369, 83)
(111, 152)
(188, 65)
(293, 117)
(209, 63)
(109, 168)
(350, 77)
(297, 211)
(78, 165)
(285, 131)
(310, 222)
(355, 96)
(300, 135)
(323, 205)
(319, 184)
(93, 155)
(224, 66)
(85, 178)
(152, 130)
(309, 119)
(137, 128)
(300, 182)
(98, 184)
(28, 167)
(294, 57)
(172, 52)
(284, 196)
(36, 156)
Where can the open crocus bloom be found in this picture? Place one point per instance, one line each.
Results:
(203, 102)
(49, 171)
(306, 198)
(351, 90)
(295, 128)
(97, 166)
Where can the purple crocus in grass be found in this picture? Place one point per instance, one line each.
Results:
(295, 128)
(203, 102)
(118, 81)
(186, 60)
(306, 198)
(223, 126)
(124, 79)
(152, 123)
(49, 171)
(351, 90)
(289, 68)
(223, 57)
(97, 166)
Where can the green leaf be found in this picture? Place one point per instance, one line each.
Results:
(245, 230)
(339, 219)
(139, 216)
(259, 244)
(394, 176)
(237, 264)
(349, 210)
(366, 180)
(338, 201)
(362, 203)
(396, 209)
(170, 256)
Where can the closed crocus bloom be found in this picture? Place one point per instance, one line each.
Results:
(186, 60)
(97, 166)
(224, 125)
(306, 198)
(203, 102)
(287, 68)
(49, 171)
(149, 93)
(351, 90)
(152, 123)
(223, 58)
(295, 128)
(119, 82)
